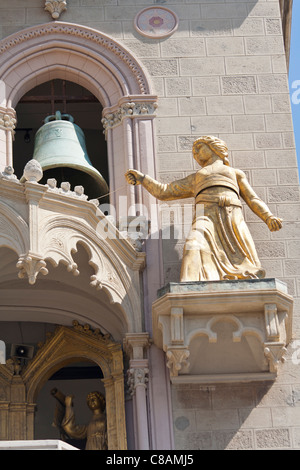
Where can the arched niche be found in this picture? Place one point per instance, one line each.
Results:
(85, 109)
(69, 345)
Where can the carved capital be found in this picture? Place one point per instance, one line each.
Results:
(137, 377)
(8, 174)
(8, 119)
(132, 109)
(55, 7)
(33, 171)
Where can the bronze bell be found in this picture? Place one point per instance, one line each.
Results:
(60, 149)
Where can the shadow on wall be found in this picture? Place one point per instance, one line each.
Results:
(231, 416)
(216, 17)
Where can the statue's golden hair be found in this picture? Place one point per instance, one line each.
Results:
(218, 146)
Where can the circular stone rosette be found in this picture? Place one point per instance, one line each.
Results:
(156, 22)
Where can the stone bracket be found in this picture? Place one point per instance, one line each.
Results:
(190, 317)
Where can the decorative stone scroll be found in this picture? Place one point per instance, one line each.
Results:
(223, 332)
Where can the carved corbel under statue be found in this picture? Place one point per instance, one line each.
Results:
(222, 286)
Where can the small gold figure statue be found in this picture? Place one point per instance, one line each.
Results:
(219, 245)
(95, 432)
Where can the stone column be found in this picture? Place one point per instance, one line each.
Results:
(137, 381)
(32, 263)
(136, 345)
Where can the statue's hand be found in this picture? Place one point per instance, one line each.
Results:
(274, 223)
(134, 177)
(69, 400)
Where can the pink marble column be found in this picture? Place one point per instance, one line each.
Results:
(7, 126)
(138, 378)
(136, 345)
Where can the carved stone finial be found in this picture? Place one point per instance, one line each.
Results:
(65, 187)
(33, 171)
(55, 7)
(52, 183)
(79, 192)
(31, 266)
(8, 173)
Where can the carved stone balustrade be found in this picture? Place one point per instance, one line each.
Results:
(223, 331)
(44, 225)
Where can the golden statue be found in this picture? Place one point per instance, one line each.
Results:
(219, 245)
(95, 432)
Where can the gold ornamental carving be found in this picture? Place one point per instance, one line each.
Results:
(22, 384)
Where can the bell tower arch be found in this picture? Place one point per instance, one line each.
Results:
(112, 73)
(104, 67)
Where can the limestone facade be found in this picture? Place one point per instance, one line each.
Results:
(222, 71)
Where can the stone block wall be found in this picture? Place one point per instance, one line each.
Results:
(223, 72)
(237, 417)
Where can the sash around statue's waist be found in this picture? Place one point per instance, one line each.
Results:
(222, 201)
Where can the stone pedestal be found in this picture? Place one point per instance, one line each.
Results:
(223, 331)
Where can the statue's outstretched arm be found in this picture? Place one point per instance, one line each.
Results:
(179, 189)
(256, 204)
(70, 427)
